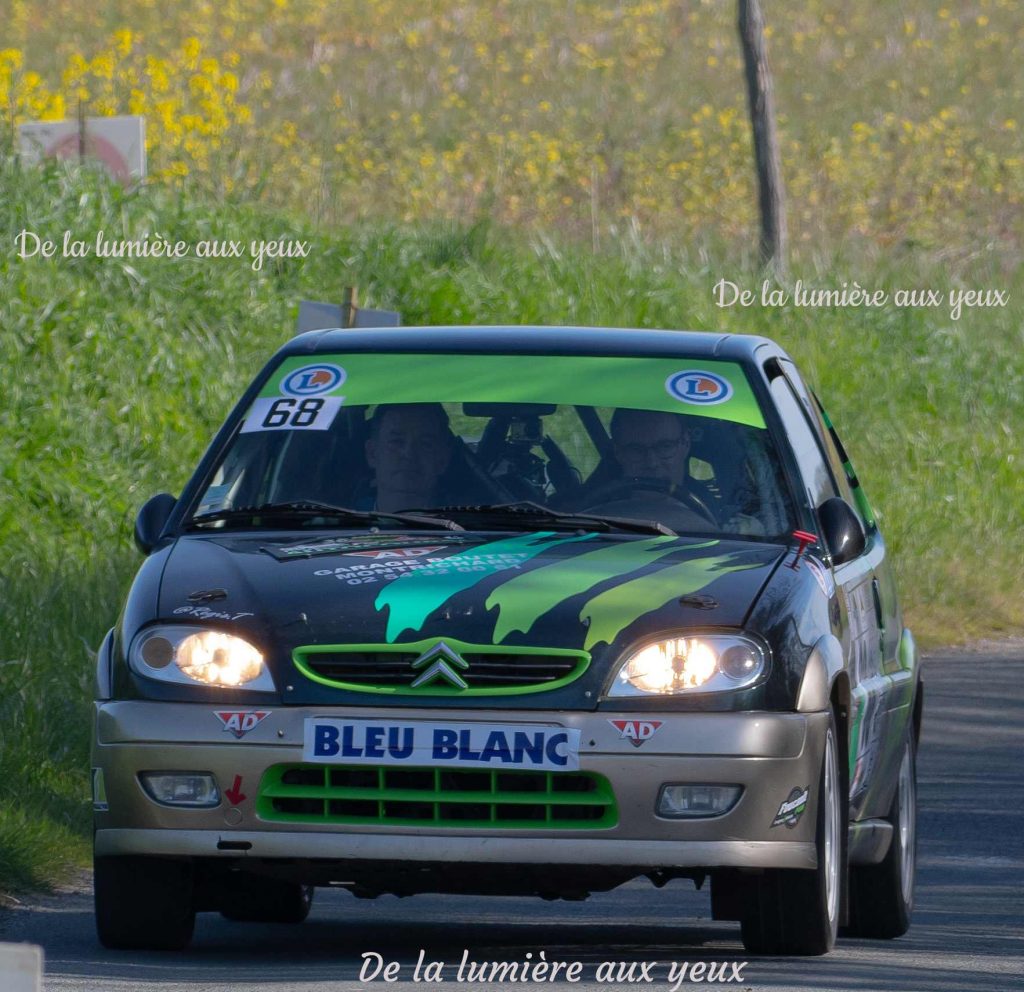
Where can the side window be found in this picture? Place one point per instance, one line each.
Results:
(849, 483)
(816, 476)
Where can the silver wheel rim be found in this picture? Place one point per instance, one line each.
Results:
(907, 827)
(831, 801)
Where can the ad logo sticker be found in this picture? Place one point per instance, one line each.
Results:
(698, 388)
(792, 809)
(312, 380)
(240, 722)
(636, 731)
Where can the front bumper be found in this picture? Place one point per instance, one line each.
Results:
(769, 754)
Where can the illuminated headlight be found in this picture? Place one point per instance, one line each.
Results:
(188, 655)
(708, 663)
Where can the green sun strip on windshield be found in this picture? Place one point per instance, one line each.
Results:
(526, 597)
(610, 612)
(415, 596)
(697, 387)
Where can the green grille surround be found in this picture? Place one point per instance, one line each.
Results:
(386, 795)
(307, 659)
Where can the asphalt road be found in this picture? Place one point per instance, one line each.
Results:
(968, 931)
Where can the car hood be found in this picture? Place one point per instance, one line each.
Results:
(568, 590)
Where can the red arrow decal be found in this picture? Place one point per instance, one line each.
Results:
(235, 794)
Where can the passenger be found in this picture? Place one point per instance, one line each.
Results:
(409, 449)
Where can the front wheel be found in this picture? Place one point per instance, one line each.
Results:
(796, 911)
(143, 903)
(882, 895)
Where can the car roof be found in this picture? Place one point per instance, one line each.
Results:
(533, 340)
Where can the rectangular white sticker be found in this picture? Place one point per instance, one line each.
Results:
(292, 413)
(439, 745)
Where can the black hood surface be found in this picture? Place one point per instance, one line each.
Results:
(580, 591)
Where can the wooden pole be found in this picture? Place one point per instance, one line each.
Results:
(761, 99)
(348, 306)
(81, 131)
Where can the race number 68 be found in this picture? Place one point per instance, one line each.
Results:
(288, 412)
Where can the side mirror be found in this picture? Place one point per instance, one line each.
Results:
(152, 519)
(841, 529)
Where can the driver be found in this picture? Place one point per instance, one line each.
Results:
(652, 445)
(409, 449)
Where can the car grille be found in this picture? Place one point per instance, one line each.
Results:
(491, 671)
(436, 797)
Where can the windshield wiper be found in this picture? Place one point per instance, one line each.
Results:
(527, 511)
(311, 508)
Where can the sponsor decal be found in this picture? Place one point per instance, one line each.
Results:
(792, 808)
(398, 552)
(215, 498)
(821, 575)
(313, 380)
(205, 613)
(99, 792)
(387, 571)
(353, 545)
(240, 722)
(289, 413)
(434, 745)
(699, 388)
(636, 731)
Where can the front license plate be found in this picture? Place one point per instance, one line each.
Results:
(436, 745)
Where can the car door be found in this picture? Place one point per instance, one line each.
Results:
(860, 624)
(883, 698)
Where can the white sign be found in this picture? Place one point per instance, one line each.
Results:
(436, 745)
(117, 143)
(21, 967)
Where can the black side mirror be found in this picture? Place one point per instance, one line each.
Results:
(152, 519)
(842, 530)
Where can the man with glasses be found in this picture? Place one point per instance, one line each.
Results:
(650, 473)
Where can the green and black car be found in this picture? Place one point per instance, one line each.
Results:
(513, 611)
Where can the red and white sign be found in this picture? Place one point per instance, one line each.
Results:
(636, 731)
(117, 143)
(240, 722)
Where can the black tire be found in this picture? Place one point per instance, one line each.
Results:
(882, 895)
(797, 911)
(143, 903)
(251, 899)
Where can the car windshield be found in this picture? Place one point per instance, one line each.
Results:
(503, 441)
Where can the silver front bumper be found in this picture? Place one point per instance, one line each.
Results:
(769, 754)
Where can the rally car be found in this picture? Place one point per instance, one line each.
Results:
(512, 611)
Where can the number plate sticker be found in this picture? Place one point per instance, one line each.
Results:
(442, 745)
(292, 413)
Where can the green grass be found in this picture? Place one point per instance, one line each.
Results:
(117, 375)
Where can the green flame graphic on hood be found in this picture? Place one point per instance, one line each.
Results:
(413, 598)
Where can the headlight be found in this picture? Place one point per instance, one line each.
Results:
(188, 655)
(706, 663)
